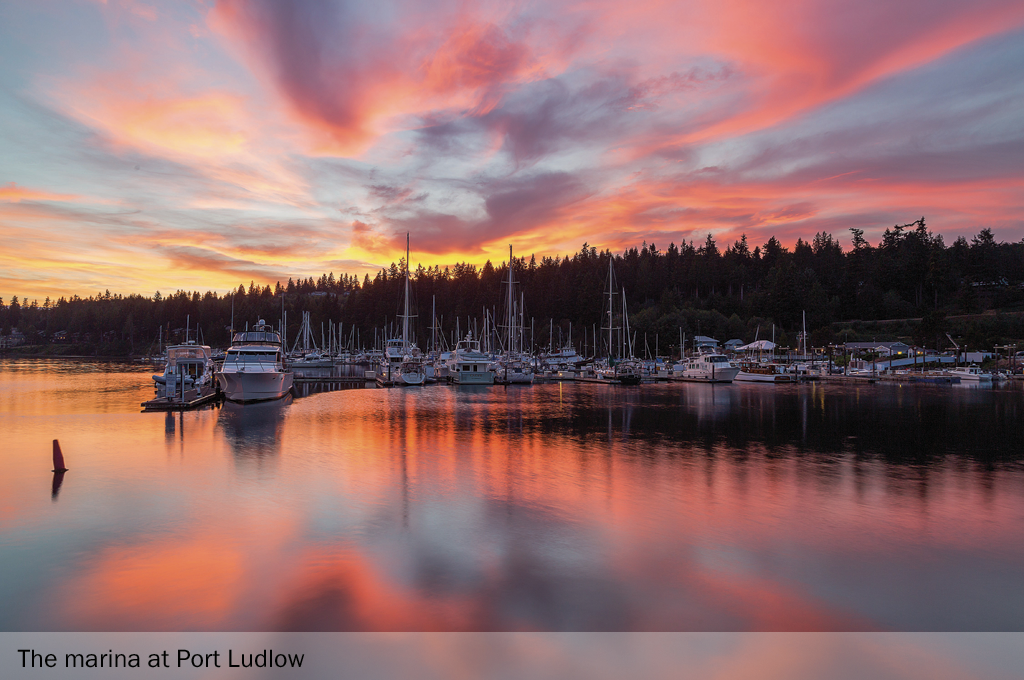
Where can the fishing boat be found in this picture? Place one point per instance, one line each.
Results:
(253, 368)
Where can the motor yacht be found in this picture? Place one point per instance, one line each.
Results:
(467, 365)
(705, 368)
(253, 368)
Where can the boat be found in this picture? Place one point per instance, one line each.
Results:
(513, 367)
(710, 367)
(971, 374)
(194, 362)
(624, 372)
(627, 369)
(253, 368)
(758, 371)
(308, 355)
(402, 363)
(467, 365)
(189, 366)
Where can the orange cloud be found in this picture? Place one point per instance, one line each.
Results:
(13, 193)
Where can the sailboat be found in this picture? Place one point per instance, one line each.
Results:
(513, 366)
(626, 369)
(401, 363)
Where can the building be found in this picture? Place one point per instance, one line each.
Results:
(13, 340)
(704, 342)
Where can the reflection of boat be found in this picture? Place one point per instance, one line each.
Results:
(253, 368)
(971, 373)
(705, 368)
(253, 429)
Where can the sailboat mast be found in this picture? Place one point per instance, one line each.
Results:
(509, 319)
(405, 316)
(610, 311)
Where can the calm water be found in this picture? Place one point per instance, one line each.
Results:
(551, 507)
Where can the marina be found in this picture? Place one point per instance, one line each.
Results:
(552, 506)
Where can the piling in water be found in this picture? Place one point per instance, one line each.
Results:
(58, 458)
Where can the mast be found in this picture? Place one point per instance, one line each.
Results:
(510, 319)
(610, 312)
(405, 317)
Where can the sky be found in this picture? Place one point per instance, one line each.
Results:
(197, 145)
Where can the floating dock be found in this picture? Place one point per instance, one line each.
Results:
(191, 399)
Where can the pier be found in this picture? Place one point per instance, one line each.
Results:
(188, 400)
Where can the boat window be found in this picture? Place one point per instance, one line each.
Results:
(251, 356)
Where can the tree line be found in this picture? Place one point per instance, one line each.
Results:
(737, 291)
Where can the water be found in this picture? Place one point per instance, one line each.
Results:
(551, 507)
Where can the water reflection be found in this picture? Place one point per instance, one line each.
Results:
(551, 507)
(254, 430)
(58, 480)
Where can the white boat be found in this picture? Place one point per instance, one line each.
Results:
(756, 371)
(305, 353)
(624, 372)
(513, 370)
(399, 365)
(705, 368)
(253, 368)
(402, 363)
(467, 365)
(513, 367)
(189, 362)
(971, 373)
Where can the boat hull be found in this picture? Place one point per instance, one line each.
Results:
(255, 386)
(722, 375)
(473, 378)
(743, 376)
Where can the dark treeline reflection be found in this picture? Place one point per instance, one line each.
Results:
(898, 423)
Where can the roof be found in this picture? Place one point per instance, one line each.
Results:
(874, 345)
(704, 338)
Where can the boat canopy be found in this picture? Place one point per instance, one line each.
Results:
(757, 345)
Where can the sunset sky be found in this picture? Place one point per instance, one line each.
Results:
(198, 145)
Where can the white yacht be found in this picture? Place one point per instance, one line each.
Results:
(189, 362)
(513, 369)
(625, 372)
(971, 374)
(705, 368)
(467, 365)
(400, 364)
(253, 367)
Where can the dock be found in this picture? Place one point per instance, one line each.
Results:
(191, 399)
(911, 378)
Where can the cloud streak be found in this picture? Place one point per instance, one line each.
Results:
(264, 138)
